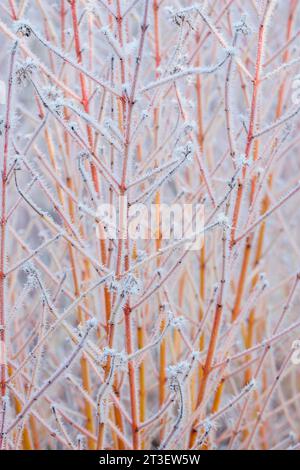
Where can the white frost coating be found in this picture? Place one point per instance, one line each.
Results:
(124, 323)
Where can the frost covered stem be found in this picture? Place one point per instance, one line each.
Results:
(127, 310)
(185, 73)
(267, 399)
(51, 380)
(214, 335)
(133, 91)
(179, 416)
(84, 95)
(3, 223)
(269, 212)
(253, 110)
